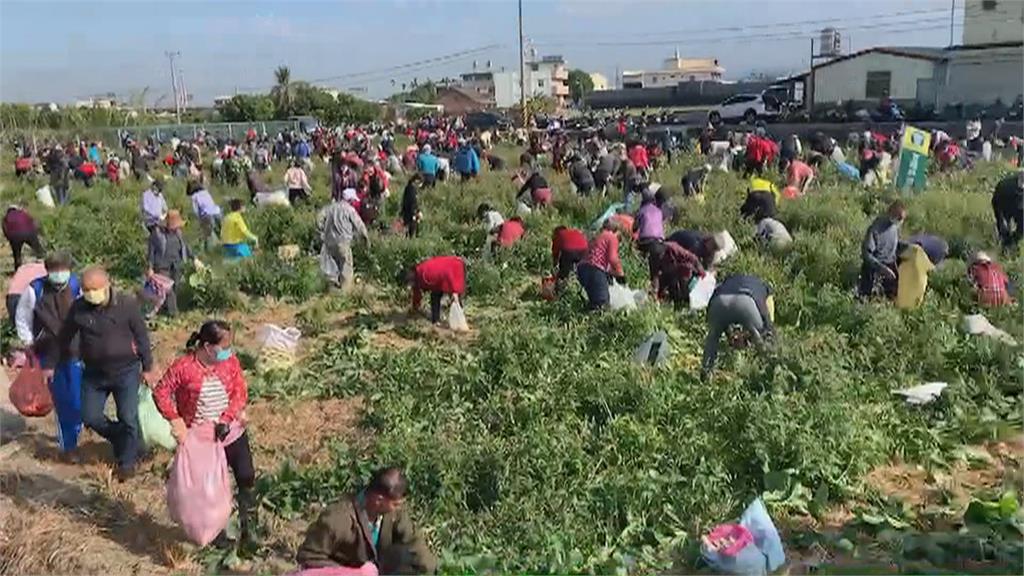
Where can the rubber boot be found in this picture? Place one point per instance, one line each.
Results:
(247, 520)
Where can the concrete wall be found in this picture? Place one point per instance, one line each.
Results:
(847, 80)
(981, 76)
(1004, 22)
(684, 94)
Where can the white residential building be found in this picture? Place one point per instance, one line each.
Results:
(674, 71)
(547, 77)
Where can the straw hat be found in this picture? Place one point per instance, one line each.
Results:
(980, 256)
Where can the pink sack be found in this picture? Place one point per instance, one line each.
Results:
(368, 569)
(729, 539)
(199, 490)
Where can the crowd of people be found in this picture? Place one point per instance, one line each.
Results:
(93, 341)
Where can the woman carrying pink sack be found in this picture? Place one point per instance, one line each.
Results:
(206, 386)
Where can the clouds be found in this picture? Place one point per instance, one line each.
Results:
(255, 26)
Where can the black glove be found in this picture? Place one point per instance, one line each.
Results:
(220, 431)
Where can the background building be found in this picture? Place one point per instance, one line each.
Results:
(600, 81)
(547, 77)
(993, 21)
(674, 71)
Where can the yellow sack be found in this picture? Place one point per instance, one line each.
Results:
(913, 277)
(769, 303)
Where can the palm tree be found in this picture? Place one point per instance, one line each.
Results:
(283, 91)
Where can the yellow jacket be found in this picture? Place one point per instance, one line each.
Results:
(762, 185)
(913, 277)
(234, 231)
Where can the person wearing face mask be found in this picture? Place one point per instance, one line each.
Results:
(114, 348)
(42, 310)
(369, 526)
(878, 251)
(207, 385)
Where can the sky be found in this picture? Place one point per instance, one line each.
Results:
(68, 50)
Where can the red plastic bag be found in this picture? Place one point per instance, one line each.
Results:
(29, 392)
(199, 494)
(547, 288)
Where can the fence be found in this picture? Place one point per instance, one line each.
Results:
(111, 135)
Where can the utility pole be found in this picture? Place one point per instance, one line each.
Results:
(522, 68)
(952, 19)
(809, 91)
(174, 84)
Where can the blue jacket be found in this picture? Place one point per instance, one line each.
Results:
(302, 150)
(427, 164)
(466, 161)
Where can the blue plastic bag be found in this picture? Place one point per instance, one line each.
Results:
(764, 555)
(849, 170)
(66, 390)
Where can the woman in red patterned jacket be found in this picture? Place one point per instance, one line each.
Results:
(207, 385)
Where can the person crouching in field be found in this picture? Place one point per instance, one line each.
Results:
(991, 285)
(369, 527)
(672, 268)
(207, 385)
(568, 248)
(600, 264)
(440, 276)
(235, 235)
(878, 251)
(743, 301)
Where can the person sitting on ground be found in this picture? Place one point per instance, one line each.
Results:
(759, 204)
(440, 275)
(694, 180)
(601, 263)
(1008, 208)
(773, 234)
(297, 183)
(934, 246)
(340, 225)
(878, 252)
(568, 248)
(703, 246)
(427, 166)
(992, 286)
(672, 271)
(580, 175)
(411, 215)
(535, 191)
(207, 385)
(234, 233)
(743, 301)
(369, 526)
(20, 229)
(167, 252)
(466, 161)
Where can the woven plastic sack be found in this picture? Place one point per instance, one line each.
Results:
(273, 336)
(45, 197)
(156, 430)
(701, 291)
(622, 297)
(277, 198)
(199, 489)
(457, 318)
(29, 393)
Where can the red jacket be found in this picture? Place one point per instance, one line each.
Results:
(568, 240)
(761, 150)
(445, 274)
(638, 154)
(18, 223)
(511, 231)
(88, 169)
(177, 394)
(991, 283)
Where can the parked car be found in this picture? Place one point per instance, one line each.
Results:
(748, 108)
(486, 121)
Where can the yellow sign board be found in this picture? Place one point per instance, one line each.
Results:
(916, 140)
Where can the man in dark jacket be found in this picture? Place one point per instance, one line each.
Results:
(411, 206)
(20, 229)
(57, 166)
(878, 252)
(759, 205)
(369, 526)
(113, 343)
(1008, 207)
(580, 175)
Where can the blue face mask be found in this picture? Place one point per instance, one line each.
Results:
(223, 355)
(59, 278)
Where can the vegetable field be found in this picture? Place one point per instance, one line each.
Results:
(533, 443)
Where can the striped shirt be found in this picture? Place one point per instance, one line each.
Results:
(213, 399)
